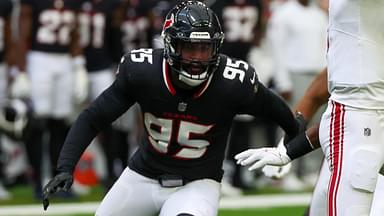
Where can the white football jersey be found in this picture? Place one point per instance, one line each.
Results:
(356, 53)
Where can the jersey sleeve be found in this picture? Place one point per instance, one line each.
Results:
(257, 100)
(111, 104)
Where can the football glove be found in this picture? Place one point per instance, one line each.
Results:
(80, 80)
(61, 182)
(21, 86)
(258, 158)
(277, 172)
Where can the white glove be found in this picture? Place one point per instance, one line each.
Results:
(80, 91)
(258, 158)
(277, 172)
(21, 86)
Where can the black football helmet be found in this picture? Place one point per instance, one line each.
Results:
(191, 25)
(13, 117)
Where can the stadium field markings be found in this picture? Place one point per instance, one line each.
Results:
(255, 201)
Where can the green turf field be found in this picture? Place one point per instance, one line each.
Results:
(287, 211)
(22, 195)
(291, 211)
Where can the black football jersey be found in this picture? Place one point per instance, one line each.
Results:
(53, 22)
(136, 26)
(240, 20)
(95, 30)
(185, 132)
(5, 12)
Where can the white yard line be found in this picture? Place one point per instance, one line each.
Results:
(256, 201)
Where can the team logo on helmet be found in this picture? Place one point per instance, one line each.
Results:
(168, 22)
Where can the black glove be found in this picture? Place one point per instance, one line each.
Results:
(61, 182)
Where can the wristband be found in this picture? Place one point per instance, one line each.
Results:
(298, 146)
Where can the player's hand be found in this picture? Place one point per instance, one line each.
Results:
(21, 86)
(61, 182)
(80, 80)
(277, 172)
(258, 158)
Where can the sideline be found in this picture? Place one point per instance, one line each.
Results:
(255, 201)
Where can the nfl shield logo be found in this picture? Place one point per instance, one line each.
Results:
(182, 107)
(367, 131)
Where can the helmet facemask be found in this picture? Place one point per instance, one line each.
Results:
(194, 60)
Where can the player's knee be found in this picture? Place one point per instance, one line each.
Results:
(364, 170)
(184, 214)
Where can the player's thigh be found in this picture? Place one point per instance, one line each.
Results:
(41, 74)
(99, 81)
(132, 194)
(62, 89)
(198, 198)
(352, 143)
(319, 197)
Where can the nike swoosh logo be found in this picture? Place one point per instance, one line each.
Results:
(253, 78)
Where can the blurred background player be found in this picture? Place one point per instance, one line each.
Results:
(159, 11)
(49, 59)
(136, 25)
(99, 37)
(5, 45)
(296, 33)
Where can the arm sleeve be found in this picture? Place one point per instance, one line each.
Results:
(266, 104)
(112, 103)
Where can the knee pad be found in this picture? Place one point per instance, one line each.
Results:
(184, 214)
(364, 170)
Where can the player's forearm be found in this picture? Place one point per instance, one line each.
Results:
(277, 110)
(101, 113)
(315, 96)
(78, 138)
(25, 28)
(8, 43)
(313, 135)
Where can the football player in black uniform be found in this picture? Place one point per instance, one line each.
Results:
(50, 57)
(5, 43)
(136, 24)
(188, 94)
